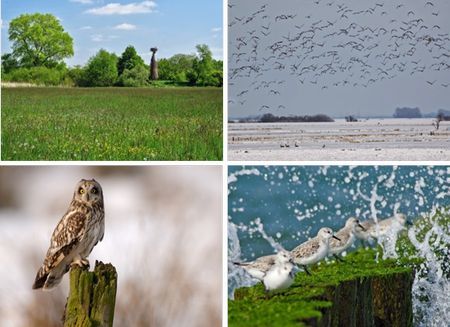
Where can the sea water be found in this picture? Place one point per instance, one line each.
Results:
(273, 207)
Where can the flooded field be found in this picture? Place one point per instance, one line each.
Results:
(374, 139)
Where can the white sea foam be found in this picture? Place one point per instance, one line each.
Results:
(431, 287)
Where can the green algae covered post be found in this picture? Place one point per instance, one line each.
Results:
(92, 296)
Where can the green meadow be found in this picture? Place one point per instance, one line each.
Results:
(112, 123)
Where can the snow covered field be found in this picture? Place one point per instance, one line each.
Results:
(374, 139)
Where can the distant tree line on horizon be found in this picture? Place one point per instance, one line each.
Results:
(40, 44)
(270, 118)
(406, 112)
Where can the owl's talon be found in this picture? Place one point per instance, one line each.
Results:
(75, 264)
(85, 263)
(82, 263)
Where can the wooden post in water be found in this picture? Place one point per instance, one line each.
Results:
(92, 296)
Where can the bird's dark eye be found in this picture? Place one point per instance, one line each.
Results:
(81, 191)
(94, 190)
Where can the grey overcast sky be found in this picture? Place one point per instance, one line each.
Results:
(338, 57)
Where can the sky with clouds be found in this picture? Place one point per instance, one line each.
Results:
(174, 26)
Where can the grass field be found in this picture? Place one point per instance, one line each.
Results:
(112, 124)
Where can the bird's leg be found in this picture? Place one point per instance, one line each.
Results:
(338, 258)
(364, 244)
(306, 270)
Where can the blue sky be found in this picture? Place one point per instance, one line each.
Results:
(174, 26)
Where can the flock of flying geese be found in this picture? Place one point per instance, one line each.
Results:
(277, 271)
(353, 46)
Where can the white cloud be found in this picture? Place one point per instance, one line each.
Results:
(102, 38)
(119, 9)
(84, 2)
(125, 27)
(216, 29)
(86, 28)
(97, 38)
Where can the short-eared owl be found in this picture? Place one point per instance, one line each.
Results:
(79, 230)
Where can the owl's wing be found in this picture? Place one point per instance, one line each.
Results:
(65, 237)
(68, 231)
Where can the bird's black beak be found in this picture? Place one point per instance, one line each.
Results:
(409, 223)
(334, 236)
(361, 226)
(291, 260)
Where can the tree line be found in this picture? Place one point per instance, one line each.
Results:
(270, 118)
(40, 44)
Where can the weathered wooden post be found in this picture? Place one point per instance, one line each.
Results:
(92, 296)
(153, 65)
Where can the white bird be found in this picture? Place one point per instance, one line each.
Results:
(281, 275)
(389, 225)
(313, 250)
(363, 232)
(375, 230)
(259, 267)
(346, 236)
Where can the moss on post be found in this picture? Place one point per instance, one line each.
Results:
(92, 296)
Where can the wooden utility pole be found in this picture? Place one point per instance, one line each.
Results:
(92, 296)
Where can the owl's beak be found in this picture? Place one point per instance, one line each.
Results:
(86, 197)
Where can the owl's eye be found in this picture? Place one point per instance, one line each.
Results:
(81, 191)
(94, 190)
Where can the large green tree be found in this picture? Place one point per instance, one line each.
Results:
(101, 69)
(176, 67)
(137, 76)
(129, 59)
(205, 70)
(39, 40)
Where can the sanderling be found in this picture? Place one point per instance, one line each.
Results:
(346, 236)
(363, 232)
(386, 226)
(259, 267)
(281, 275)
(313, 250)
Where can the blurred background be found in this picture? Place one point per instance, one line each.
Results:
(163, 234)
